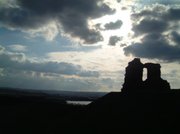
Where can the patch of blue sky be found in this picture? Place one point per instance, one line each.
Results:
(9, 37)
(38, 46)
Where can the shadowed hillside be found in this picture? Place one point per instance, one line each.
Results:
(142, 111)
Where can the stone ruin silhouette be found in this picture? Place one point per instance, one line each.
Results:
(134, 74)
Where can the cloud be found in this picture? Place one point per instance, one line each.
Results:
(118, 1)
(113, 40)
(113, 25)
(18, 71)
(31, 80)
(150, 26)
(70, 16)
(154, 46)
(163, 12)
(48, 32)
(7, 3)
(175, 37)
(18, 61)
(158, 32)
(18, 48)
(123, 45)
(164, 2)
(9, 59)
(173, 14)
(1, 49)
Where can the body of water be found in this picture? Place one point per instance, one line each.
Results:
(79, 102)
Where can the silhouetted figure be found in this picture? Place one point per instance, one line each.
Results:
(133, 77)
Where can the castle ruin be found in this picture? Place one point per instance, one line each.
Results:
(134, 74)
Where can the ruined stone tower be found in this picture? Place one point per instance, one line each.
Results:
(154, 80)
(133, 77)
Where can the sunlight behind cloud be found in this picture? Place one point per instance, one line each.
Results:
(124, 31)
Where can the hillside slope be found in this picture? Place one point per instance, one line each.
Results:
(145, 112)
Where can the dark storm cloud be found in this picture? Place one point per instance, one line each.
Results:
(176, 37)
(113, 40)
(158, 11)
(72, 15)
(150, 26)
(158, 27)
(154, 46)
(18, 61)
(173, 14)
(113, 25)
(21, 18)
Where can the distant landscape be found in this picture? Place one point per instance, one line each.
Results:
(90, 66)
(52, 94)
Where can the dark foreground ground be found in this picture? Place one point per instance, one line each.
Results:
(140, 112)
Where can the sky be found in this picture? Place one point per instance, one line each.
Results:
(85, 45)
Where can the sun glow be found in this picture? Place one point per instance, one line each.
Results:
(124, 31)
(115, 54)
